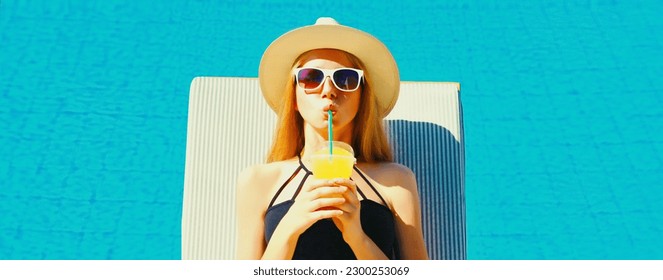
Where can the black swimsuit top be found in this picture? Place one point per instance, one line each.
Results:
(323, 240)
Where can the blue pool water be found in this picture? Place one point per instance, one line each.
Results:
(562, 109)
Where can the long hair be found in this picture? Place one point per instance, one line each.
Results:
(369, 139)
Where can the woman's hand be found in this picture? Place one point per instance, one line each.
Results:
(317, 200)
(349, 223)
(322, 199)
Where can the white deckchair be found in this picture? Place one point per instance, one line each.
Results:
(230, 127)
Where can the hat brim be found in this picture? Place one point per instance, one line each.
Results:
(381, 68)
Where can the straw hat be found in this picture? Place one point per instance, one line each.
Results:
(381, 69)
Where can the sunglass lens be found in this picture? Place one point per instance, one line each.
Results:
(346, 79)
(310, 78)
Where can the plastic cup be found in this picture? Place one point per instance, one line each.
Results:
(336, 165)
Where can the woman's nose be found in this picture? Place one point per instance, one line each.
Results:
(328, 89)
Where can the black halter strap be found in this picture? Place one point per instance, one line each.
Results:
(271, 203)
(301, 184)
(370, 185)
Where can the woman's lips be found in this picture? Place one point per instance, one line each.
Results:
(329, 107)
(326, 109)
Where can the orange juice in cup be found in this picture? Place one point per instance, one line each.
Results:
(338, 164)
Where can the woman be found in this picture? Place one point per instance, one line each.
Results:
(283, 213)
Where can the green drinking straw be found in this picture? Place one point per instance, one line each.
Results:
(330, 132)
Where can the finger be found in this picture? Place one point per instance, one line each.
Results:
(317, 183)
(326, 214)
(325, 202)
(351, 196)
(344, 182)
(346, 208)
(327, 191)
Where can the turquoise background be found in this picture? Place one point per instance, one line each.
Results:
(562, 109)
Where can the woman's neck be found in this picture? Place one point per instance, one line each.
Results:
(313, 139)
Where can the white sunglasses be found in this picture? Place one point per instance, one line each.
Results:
(344, 79)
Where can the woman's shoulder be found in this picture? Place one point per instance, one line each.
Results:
(264, 175)
(396, 182)
(255, 182)
(259, 170)
(261, 173)
(391, 174)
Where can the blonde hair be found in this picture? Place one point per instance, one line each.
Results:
(369, 139)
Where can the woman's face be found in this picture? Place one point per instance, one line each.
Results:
(314, 104)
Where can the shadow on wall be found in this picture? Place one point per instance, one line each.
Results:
(437, 159)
